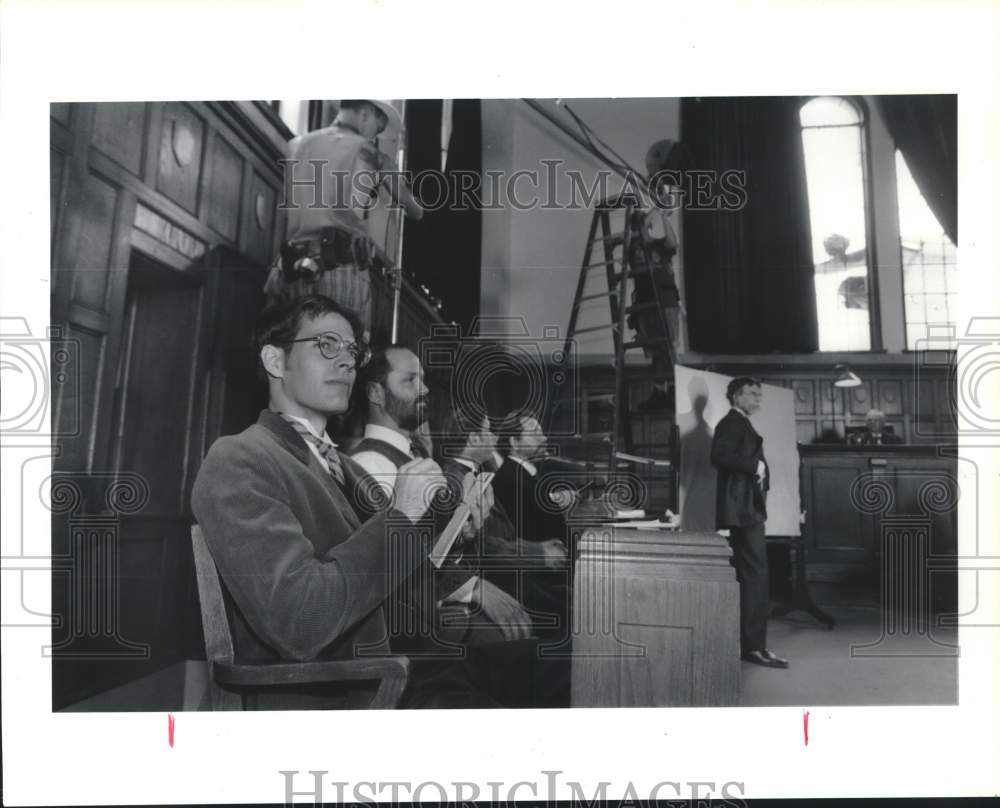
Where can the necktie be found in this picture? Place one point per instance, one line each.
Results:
(326, 449)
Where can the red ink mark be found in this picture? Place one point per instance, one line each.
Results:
(805, 725)
(170, 729)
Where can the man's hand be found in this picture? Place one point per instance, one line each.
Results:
(761, 471)
(416, 484)
(503, 610)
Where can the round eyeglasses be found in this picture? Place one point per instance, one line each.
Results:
(331, 345)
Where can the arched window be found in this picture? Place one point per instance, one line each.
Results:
(834, 145)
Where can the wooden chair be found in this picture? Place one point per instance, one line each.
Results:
(236, 685)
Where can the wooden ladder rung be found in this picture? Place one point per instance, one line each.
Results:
(607, 327)
(595, 297)
(609, 262)
(611, 237)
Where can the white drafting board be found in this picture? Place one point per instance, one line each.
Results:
(701, 402)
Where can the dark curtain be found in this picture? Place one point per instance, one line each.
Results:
(925, 129)
(749, 272)
(443, 249)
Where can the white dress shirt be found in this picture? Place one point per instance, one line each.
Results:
(527, 465)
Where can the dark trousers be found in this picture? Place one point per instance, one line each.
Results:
(492, 674)
(750, 560)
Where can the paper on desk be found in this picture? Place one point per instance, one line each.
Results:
(636, 514)
(649, 524)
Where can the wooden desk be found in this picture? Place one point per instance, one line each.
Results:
(656, 619)
(882, 515)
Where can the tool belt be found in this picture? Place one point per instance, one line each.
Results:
(335, 247)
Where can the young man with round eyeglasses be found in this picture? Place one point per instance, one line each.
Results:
(305, 561)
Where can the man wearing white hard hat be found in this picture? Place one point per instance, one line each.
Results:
(332, 178)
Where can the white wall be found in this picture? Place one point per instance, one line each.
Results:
(532, 258)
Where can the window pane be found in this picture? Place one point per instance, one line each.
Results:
(930, 276)
(294, 114)
(835, 180)
(829, 111)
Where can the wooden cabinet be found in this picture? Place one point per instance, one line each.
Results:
(880, 515)
(656, 619)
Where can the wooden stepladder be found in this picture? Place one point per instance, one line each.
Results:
(616, 244)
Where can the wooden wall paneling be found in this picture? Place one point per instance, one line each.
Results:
(805, 430)
(199, 360)
(830, 430)
(943, 398)
(153, 200)
(114, 306)
(182, 140)
(236, 394)
(152, 144)
(898, 427)
(889, 395)
(75, 416)
(92, 251)
(184, 249)
(836, 528)
(57, 174)
(205, 179)
(923, 398)
(260, 151)
(60, 112)
(638, 427)
(280, 225)
(659, 430)
(119, 133)
(246, 202)
(860, 399)
(223, 188)
(805, 396)
(258, 219)
(831, 398)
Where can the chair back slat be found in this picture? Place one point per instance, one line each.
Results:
(214, 621)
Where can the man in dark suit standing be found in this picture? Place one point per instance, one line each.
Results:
(741, 507)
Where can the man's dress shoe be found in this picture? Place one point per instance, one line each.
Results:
(765, 658)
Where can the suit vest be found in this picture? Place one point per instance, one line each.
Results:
(384, 448)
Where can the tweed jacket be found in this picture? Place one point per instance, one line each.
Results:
(305, 565)
(740, 501)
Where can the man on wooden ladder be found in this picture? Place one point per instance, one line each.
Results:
(653, 245)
